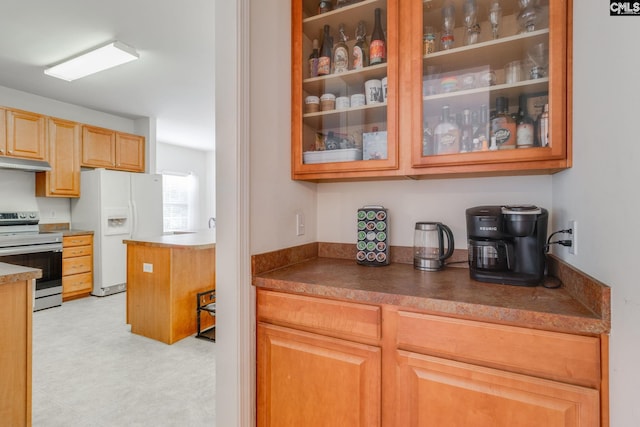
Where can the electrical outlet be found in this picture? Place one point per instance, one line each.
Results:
(573, 225)
(299, 223)
(147, 268)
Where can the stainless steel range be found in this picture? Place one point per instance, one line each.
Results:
(22, 243)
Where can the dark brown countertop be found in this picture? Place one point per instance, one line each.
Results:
(448, 292)
(10, 273)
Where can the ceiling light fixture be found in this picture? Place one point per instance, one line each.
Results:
(93, 61)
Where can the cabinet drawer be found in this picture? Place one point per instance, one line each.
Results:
(569, 358)
(76, 251)
(77, 282)
(83, 240)
(76, 265)
(334, 318)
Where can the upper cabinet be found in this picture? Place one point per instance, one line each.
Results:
(25, 135)
(475, 87)
(344, 102)
(105, 148)
(64, 155)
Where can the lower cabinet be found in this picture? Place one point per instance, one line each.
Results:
(325, 362)
(77, 266)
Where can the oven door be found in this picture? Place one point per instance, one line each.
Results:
(46, 257)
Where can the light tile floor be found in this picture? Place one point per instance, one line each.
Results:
(90, 370)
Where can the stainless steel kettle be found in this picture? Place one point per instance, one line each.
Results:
(428, 245)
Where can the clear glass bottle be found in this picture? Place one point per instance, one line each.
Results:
(448, 25)
(427, 140)
(326, 58)
(341, 52)
(446, 134)
(525, 127)
(313, 59)
(495, 18)
(466, 132)
(378, 44)
(360, 53)
(503, 126)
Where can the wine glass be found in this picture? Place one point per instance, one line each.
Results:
(529, 16)
(538, 55)
(495, 18)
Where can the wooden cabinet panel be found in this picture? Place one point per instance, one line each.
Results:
(77, 266)
(98, 147)
(64, 155)
(26, 135)
(335, 318)
(80, 283)
(16, 308)
(310, 380)
(130, 152)
(438, 392)
(565, 357)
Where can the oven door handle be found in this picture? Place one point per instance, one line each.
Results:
(20, 250)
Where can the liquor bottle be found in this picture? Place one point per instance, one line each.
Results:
(427, 141)
(378, 45)
(313, 59)
(483, 131)
(503, 127)
(543, 128)
(466, 132)
(360, 55)
(326, 58)
(324, 6)
(525, 127)
(341, 53)
(446, 135)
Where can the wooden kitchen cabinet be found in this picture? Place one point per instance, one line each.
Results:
(468, 79)
(331, 143)
(63, 180)
(77, 266)
(431, 370)
(105, 148)
(315, 378)
(25, 135)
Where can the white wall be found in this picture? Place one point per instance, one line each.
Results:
(173, 158)
(601, 190)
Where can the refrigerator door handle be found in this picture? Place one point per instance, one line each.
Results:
(134, 217)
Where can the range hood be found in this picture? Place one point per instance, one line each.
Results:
(24, 164)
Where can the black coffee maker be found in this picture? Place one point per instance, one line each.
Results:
(507, 244)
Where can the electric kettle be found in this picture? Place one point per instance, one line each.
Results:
(428, 245)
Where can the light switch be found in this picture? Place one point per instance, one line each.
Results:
(147, 268)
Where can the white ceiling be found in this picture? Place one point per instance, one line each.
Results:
(173, 81)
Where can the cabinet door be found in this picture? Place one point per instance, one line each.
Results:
(438, 392)
(352, 137)
(64, 155)
(98, 147)
(129, 152)
(310, 380)
(26, 135)
(497, 54)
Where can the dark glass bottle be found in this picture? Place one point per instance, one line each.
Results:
(503, 126)
(313, 59)
(360, 55)
(525, 127)
(378, 44)
(326, 58)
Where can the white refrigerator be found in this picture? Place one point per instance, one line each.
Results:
(116, 206)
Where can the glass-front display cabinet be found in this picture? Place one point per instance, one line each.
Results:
(490, 90)
(344, 88)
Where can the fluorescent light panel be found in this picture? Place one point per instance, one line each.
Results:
(102, 58)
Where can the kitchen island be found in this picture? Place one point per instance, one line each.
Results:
(16, 308)
(164, 275)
